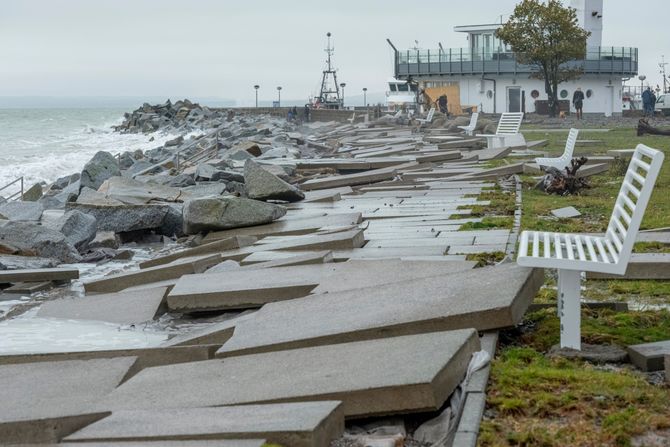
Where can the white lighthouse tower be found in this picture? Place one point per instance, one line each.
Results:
(590, 16)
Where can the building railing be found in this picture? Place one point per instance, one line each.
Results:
(620, 60)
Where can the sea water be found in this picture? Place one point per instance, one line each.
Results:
(44, 144)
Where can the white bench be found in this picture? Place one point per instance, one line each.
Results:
(507, 134)
(572, 254)
(352, 119)
(563, 161)
(470, 128)
(429, 117)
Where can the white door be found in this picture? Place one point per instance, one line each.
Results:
(514, 99)
(609, 100)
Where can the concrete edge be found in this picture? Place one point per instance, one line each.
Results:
(474, 401)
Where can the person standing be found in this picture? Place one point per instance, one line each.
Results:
(646, 101)
(305, 113)
(442, 103)
(578, 102)
(652, 104)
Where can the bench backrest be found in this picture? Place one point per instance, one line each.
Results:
(431, 112)
(631, 202)
(509, 123)
(473, 120)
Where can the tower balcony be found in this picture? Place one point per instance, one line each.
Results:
(621, 61)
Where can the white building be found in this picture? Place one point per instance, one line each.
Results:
(489, 76)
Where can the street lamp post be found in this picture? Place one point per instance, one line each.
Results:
(365, 96)
(279, 93)
(642, 78)
(343, 85)
(256, 87)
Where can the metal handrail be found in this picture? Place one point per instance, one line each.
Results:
(18, 193)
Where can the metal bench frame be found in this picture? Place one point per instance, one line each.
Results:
(563, 161)
(572, 254)
(470, 128)
(507, 133)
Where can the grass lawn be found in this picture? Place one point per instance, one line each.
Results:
(534, 400)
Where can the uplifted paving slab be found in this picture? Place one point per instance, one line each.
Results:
(203, 443)
(641, 266)
(175, 269)
(484, 299)
(361, 178)
(375, 377)
(35, 275)
(230, 243)
(246, 288)
(300, 424)
(124, 308)
(42, 402)
(649, 356)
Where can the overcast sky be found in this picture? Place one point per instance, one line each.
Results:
(208, 48)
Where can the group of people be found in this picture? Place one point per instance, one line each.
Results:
(648, 102)
(293, 114)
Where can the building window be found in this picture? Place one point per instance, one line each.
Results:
(589, 93)
(535, 94)
(564, 93)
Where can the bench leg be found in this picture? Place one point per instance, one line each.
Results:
(569, 307)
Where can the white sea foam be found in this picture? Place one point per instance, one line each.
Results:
(42, 145)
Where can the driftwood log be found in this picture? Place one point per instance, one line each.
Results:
(564, 182)
(643, 127)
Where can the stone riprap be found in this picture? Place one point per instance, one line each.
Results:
(224, 213)
(261, 184)
(102, 166)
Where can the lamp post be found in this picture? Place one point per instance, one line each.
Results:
(256, 87)
(279, 93)
(343, 85)
(641, 78)
(365, 96)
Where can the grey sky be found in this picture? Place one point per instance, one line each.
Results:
(222, 48)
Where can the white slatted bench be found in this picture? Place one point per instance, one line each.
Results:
(572, 254)
(470, 128)
(507, 134)
(429, 117)
(563, 161)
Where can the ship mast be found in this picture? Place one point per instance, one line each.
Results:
(328, 97)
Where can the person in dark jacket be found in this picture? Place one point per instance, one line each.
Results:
(646, 101)
(442, 103)
(305, 113)
(652, 104)
(578, 102)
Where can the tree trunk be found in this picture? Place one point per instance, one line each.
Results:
(564, 182)
(644, 127)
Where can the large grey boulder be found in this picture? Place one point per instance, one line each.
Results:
(28, 211)
(102, 166)
(79, 228)
(173, 224)
(134, 192)
(264, 185)
(11, 262)
(34, 193)
(32, 239)
(223, 213)
(123, 218)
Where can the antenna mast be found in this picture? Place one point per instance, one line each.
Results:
(665, 77)
(328, 97)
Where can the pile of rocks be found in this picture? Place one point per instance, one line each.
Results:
(181, 115)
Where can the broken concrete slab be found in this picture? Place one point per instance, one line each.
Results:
(358, 374)
(361, 178)
(290, 225)
(242, 289)
(29, 287)
(230, 243)
(43, 402)
(566, 213)
(640, 266)
(199, 443)
(261, 184)
(123, 308)
(589, 170)
(308, 258)
(649, 356)
(36, 275)
(485, 299)
(175, 269)
(299, 424)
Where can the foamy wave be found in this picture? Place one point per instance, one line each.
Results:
(55, 156)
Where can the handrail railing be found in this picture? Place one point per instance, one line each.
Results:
(18, 194)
